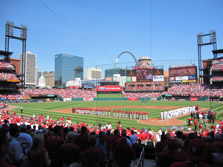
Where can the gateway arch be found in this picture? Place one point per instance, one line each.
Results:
(122, 54)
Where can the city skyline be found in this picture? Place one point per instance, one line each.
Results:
(165, 31)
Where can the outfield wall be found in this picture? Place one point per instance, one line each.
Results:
(172, 98)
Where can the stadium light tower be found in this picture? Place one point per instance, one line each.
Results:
(9, 33)
(200, 43)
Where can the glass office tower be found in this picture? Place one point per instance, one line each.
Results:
(67, 67)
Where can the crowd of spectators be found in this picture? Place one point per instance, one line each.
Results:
(6, 65)
(140, 91)
(194, 90)
(55, 143)
(145, 88)
(64, 93)
(217, 65)
(141, 95)
(217, 78)
(3, 105)
(46, 142)
(193, 149)
(185, 89)
(8, 76)
(13, 96)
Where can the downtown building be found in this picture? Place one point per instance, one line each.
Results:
(30, 69)
(93, 73)
(49, 78)
(67, 67)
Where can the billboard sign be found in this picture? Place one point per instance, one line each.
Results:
(145, 74)
(131, 72)
(183, 71)
(192, 77)
(189, 81)
(128, 79)
(158, 78)
(181, 78)
(175, 81)
(134, 79)
(109, 88)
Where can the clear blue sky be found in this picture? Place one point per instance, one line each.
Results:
(99, 30)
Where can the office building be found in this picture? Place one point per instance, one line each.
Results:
(93, 73)
(67, 67)
(30, 69)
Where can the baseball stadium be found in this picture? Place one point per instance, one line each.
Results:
(144, 99)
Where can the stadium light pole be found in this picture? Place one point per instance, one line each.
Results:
(210, 94)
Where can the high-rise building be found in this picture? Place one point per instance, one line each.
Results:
(67, 67)
(93, 73)
(30, 69)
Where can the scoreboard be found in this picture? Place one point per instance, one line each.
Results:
(183, 74)
(145, 74)
(183, 71)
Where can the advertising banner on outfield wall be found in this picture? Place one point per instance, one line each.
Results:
(132, 99)
(109, 88)
(173, 99)
(88, 99)
(193, 99)
(67, 99)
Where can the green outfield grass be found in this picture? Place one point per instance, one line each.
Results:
(110, 96)
(46, 109)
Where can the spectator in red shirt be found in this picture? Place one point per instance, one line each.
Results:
(213, 127)
(62, 119)
(195, 124)
(200, 127)
(143, 137)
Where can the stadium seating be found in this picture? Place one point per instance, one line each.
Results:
(6, 66)
(8, 76)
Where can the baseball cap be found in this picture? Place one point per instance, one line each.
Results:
(196, 150)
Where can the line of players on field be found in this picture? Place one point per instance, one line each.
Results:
(116, 113)
(176, 112)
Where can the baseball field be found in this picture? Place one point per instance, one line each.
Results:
(64, 109)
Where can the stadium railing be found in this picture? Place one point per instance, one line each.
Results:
(140, 161)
